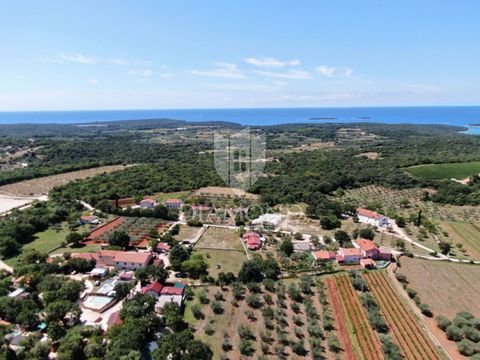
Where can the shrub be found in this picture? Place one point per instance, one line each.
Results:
(218, 296)
(298, 348)
(197, 312)
(425, 309)
(295, 308)
(209, 329)
(217, 307)
(334, 344)
(442, 322)
(269, 285)
(411, 293)
(401, 278)
(203, 297)
(226, 346)
(254, 301)
(472, 334)
(245, 333)
(466, 347)
(246, 347)
(454, 333)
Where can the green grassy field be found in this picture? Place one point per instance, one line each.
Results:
(48, 240)
(446, 171)
(229, 260)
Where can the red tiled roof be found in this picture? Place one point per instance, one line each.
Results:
(132, 257)
(171, 290)
(366, 245)
(155, 287)
(322, 255)
(369, 213)
(251, 234)
(173, 201)
(163, 246)
(351, 252)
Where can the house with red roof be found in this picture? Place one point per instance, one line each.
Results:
(124, 260)
(171, 294)
(154, 289)
(323, 255)
(148, 203)
(162, 247)
(252, 239)
(368, 247)
(371, 217)
(175, 204)
(349, 255)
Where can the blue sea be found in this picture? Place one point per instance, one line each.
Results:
(451, 115)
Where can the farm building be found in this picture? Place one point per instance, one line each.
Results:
(148, 203)
(371, 217)
(252, 239)
(175, 204)
(89, 219)
(268, 221)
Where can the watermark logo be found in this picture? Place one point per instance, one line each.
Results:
(240, 157)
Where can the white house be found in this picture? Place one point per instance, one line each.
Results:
(371, 217)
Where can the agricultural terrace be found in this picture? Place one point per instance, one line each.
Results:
(356, 333)
(404, 327)
(466, 237)
(286, 319)
(220, 238)
(447, 287)
(44, 184)
(457, 171)
(138, 229)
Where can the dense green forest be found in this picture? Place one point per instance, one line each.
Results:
(293, 176)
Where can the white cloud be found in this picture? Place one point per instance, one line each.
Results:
(93, 81)
(348, 72)
(143, 73)
(222, 70)
(289, 74)
(77, 58)
(245, 87)
(326, 70)
(271, 62)
(119, 61)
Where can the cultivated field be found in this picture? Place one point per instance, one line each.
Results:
(457, 171)
(466, 234)
(361, 338)
(448, 288)
(220, 238)
(44, 184)
(413, 343)
(276, 323)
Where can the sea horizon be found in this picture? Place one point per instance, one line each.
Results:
(442, 115)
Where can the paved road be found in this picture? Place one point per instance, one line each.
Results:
(5, 267)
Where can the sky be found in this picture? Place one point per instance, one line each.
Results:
(92, 55)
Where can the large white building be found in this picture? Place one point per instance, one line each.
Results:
(371, 217)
